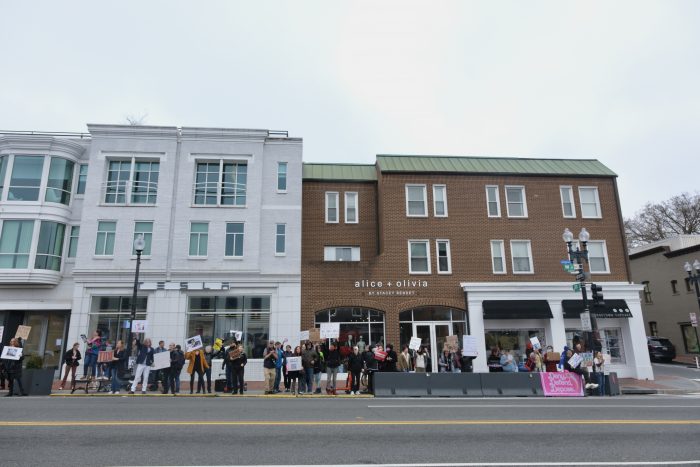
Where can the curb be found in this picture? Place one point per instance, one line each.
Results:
(246, 396)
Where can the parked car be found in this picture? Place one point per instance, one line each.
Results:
(661, 349)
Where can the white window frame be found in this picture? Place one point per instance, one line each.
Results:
(199, 240)
(502, 256)
(279, 176)
(226, 234)
(284, 239)
(219, 184)
(97, 233)
(148, 240)
(335, 195)
(71, 242)
(437, 256)
(497, 201)
(437, 188)
(128, 186)
(522, 188)
(330, 253)
(597, 202)
(425, 199)
(350, 194)
(605, 256)
(570, 190)
(427, 252)
(529, 252)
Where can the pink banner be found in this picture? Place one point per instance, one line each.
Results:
(561, 384)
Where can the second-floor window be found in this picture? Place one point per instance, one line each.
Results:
(82, 179)
(282, 176)
(351, 207)
(221, 183)
(419, 257)
(498, 260)
(15, 244)
(106, 234)
(199, 238)
(144, 228)
(49, 251)
(590, 203)
(73, 241)
(60, 183)
(281, 239)
(515, 201)
(416, 201)
(598, 256)
(521, 253)
(646, 292)
(567, 201)
(440, 200)
(332, 207)
(25, 181)
(444, 262)
(132, 181)
(234, 240)
(341, 253)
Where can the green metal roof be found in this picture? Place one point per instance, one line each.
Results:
(493, 165)
(340, 172)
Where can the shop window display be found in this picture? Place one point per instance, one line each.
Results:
(515, 340)
(358, 326)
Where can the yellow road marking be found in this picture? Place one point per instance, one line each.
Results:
(270, 423)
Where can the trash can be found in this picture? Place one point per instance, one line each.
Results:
(612, 385)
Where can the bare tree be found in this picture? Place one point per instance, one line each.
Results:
(136, 121)
(677, 216)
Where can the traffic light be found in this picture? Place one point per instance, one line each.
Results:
(596, 291)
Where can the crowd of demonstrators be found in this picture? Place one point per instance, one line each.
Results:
(13, 370)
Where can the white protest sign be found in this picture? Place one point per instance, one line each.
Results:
(2, 331)
(304, 336)
(11, 353)
(23, 332)
(535, 343)
(330, 330)
(586, 321)
(469, 346)
(139, 326)
(161, 360)
(415, 343)
(193, 343)
(293, 363)
(575, 360)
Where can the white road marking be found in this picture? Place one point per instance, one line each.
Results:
(497, 464)
(529, 406)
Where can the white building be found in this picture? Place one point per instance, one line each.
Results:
(220, 210)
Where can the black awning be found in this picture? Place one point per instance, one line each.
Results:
(516, 309)
(612, 309)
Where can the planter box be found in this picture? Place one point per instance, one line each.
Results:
(38, 382)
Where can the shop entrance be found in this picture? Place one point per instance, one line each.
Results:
(433, 336)
(46, 337)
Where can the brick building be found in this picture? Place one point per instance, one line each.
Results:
(438, 246)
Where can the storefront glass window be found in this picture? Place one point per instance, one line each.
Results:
(610, 340)
(445, 321)
(513, 339)
(358, 326)
(216, 317)
(111, 315)
(690, 338)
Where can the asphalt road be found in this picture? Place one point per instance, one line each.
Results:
(144, 430)
(676, 369)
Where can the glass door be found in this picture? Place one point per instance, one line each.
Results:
(46, 337)
(433, 336)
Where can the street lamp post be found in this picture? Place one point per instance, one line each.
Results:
(579, 255)
(139, 245)
(695, 279)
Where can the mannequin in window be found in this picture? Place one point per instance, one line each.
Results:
(361, 344)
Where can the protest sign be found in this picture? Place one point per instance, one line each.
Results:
(2, 331)
(330, 330)
(193, 343)
(380, 355)
(11, 353)
(575, 360)
(535, 343)
(556, 384)
(293, 363)
(304, 336)
(139, 326)
(587, 359)
(161, 360)
(415, 343)
(23, 332)
(105, 356)
(452, 343)
(469, 346)
(315, 335)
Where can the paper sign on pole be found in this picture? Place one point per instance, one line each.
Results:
(469, 346)
(139, 326)
(575, 360)
(294, 363)
(415, 343)
(586, 321)
(11, 353)
(535, 343)
(161, 360)
(193, 343)
(330, 330)
(105, 356)
(315, 335)
(23, 332)
(304, 336)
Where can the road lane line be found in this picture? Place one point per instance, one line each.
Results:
(272, 423)
(529, 406)
(497, 464)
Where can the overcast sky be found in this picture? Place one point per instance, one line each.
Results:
(617, 81)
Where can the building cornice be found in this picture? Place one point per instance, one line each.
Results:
(132, 131)
(42, 144)
(224, 134)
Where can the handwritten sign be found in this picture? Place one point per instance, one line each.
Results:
(11, 353)
(315, 335)
(193, 343)
(139, 326)
(330, 330)
(23, 332)
(469, 346)
(415, 343)
(161, 360)
(575, 360)
(535, 343)
(452, 343)
(294, 363)
(304, 336)
(557, 384)
(105, 356)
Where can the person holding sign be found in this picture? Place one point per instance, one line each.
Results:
(71, 359)
(405, 362)
(238, 360)
(93, 349)
(332, 363)
(294, 375)
(355, 365)
(144, 360)
(198, 364)
(118, 367)
(14, 370)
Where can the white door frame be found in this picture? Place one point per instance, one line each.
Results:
(434, 351)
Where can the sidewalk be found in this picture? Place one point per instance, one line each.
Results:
(663, 384)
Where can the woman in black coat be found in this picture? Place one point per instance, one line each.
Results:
(14, 370)
(355, 365)
(71, 359)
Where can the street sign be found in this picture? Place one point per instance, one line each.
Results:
(586, 321)
(694, 320)
(568, 267)
(565, 261)
(581, 276)
(576, 287)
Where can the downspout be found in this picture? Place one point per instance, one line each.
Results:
(173, 206)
